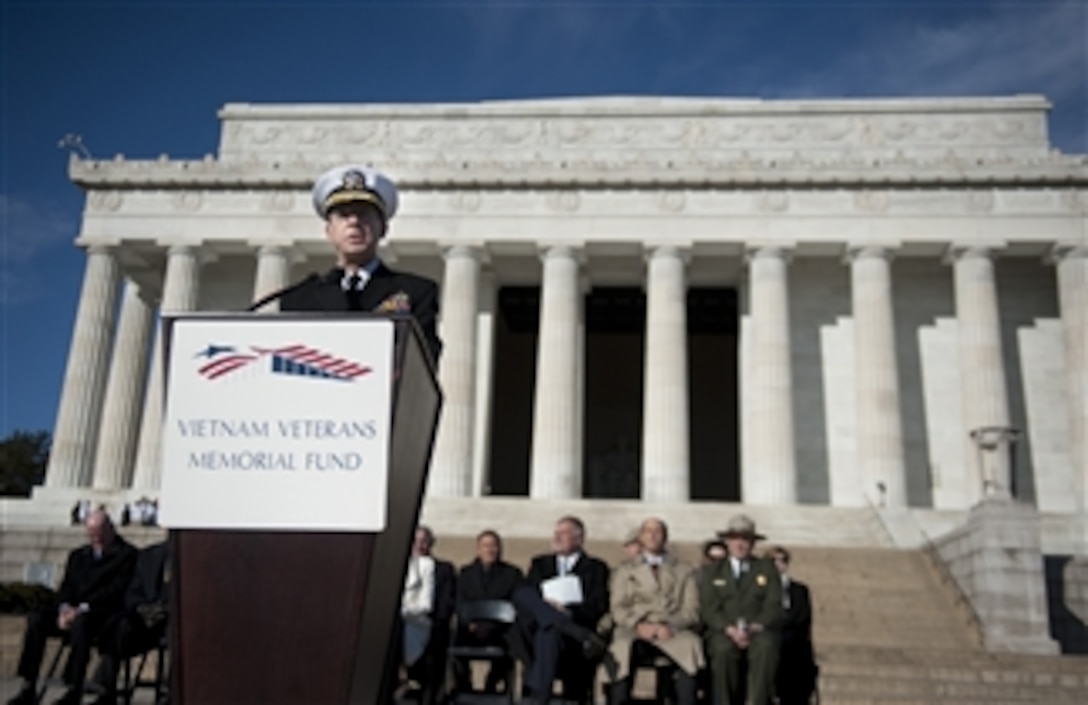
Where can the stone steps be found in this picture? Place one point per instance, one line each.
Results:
(610, 520)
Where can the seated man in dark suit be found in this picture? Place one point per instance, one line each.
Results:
(556, 649)
(488, 577)
(357, 203)
(91, 593)
(142, 623)
(796, 678)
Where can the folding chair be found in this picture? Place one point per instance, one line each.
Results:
(133, 682)
(50, 675)
(499, 611)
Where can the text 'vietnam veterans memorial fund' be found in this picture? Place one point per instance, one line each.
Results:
(256, 459)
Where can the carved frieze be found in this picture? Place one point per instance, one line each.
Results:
(980, 201)
(672, 201)
(564, 201)
(465, 201)
(872, 201)
(479, 133)
(1075, 200)
(772, 202)
(189, 201)
(104, 201)
(277, 201)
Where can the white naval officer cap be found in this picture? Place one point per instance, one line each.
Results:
(354, 182)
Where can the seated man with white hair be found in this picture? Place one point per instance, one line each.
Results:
(655, 606)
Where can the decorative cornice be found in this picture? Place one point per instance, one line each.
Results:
(625, 171)
(627, 106)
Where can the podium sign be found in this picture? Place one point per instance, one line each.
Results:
(295, 455)
(277, 427)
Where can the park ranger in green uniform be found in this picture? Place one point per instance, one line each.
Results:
(740, 599)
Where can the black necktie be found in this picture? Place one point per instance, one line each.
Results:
(354, 294)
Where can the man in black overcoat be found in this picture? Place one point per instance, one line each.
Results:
(488, 577)
(92, 591)
(796, 680)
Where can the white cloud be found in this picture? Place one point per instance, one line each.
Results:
(27, 229)
(1021, 48)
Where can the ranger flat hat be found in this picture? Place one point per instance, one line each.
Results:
(353, 183)
(741, 525)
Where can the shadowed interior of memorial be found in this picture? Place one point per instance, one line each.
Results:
(614, 363)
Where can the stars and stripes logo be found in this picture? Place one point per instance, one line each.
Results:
(296, 360)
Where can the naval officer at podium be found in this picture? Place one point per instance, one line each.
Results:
(357, 203)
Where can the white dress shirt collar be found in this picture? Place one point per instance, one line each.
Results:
(565, 564)
(365, 273)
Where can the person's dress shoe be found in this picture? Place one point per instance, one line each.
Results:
(69, 698)
(593, 646)
(26, 696)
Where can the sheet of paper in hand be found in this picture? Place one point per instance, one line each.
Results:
(566, 590)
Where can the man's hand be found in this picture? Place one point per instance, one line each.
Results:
(755, 628)
(558, 606)
(664, 632)
(646, 631)
(738, 636)
(66, 616)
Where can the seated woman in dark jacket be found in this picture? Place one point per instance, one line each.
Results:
(486, 578)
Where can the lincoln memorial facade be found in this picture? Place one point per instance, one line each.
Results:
(845, 303)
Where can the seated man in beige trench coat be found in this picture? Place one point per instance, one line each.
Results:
(655, 606)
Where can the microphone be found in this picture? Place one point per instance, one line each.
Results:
(277, 295)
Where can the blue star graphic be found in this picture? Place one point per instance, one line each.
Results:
(213, 350)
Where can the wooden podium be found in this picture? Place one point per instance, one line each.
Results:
(304, 616)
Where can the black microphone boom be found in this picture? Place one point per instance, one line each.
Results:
(276, 295)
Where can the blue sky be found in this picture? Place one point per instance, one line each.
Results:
(146, 78)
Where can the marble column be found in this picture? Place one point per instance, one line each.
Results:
(982, 370)
(579, 450)
(485, 369)
(665, 434)
(556, 469)
(879, 429)
(1072, 265)
(772, 478)
(124, 391)
(273, 273)
(76, 431)
(179, 294)
(451, 465)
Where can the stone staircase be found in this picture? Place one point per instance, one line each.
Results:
(888, 625)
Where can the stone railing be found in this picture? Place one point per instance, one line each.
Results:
(997, 562)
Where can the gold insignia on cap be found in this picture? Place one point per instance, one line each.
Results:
(719, 581)
(761, 580)
(353, 180)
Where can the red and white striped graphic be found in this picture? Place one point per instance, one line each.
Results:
(330, 364)
(223, 365)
